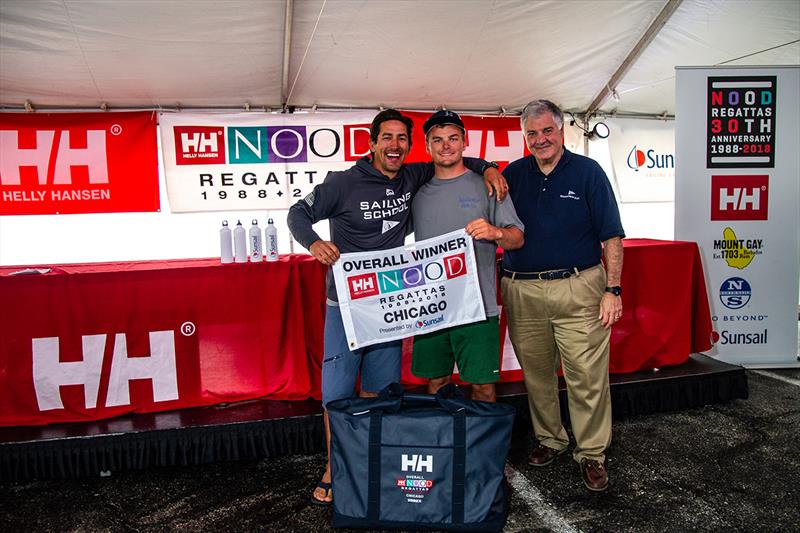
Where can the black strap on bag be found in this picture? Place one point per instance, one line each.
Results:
(459, 464)
(445, 396)
(374, 487)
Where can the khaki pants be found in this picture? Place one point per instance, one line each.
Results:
(560, 317)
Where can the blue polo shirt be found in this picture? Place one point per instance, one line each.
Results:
(567, 214)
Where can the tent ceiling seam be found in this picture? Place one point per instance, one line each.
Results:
(644, 41)
(303, 60)
(80, 47)
(756, 53)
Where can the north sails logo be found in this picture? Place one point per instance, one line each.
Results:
(570, 195)
(389, 192)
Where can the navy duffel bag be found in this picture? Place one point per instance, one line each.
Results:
(419, 461)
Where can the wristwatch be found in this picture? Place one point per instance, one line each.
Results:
(488, 165)
(616, 290)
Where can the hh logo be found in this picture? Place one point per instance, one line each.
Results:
(199, 145)
(417, 463)
(49, 373)
(33, 153)
(739, 197)
(363, 286)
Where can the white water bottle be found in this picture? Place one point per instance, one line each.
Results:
(271, 234)
(225, 244)
(256, 249)
(239, 243)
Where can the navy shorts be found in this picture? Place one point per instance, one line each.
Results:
(379, 364)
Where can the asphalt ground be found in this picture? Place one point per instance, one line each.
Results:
(726, 467)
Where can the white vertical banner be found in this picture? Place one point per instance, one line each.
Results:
(417, 288)
(643, 158)
(737, 191)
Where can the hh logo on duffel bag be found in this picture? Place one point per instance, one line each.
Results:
(416, 463)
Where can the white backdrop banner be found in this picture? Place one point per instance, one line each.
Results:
(417, 288)
(643, 157)
(255, 161)
(736, 194)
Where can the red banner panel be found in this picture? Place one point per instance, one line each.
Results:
(66, 163)
(492, 138)
(95, 341)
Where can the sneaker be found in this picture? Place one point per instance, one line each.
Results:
(594, 475)
(543, 455)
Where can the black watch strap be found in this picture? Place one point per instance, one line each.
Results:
(616, 290)
(488, 165)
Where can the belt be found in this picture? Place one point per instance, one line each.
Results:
(547, 275)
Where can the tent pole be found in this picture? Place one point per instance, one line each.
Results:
(649, 34)
(287, 48)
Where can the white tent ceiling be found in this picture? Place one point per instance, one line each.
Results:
(469, 55)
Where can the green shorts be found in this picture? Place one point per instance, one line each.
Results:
(474, 347)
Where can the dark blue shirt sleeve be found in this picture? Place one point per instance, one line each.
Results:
(605, 212)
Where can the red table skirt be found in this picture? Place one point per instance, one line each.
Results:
(235, 332)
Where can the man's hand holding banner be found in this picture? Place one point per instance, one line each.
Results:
(418, 288)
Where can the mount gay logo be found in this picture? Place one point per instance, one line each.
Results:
(740, 197)
(31, 152)
(49, 373)
(416, 463)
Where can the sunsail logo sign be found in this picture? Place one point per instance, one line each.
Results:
(650, 159)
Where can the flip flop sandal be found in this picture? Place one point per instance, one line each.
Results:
(313, 500)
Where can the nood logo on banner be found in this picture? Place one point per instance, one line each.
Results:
(739, 197)
(243, 145)
(374, 283)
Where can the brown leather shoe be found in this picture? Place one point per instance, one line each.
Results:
(594, 475)
(543, 456)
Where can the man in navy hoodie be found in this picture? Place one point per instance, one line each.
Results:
(369, 208)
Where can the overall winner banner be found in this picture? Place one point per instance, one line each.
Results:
(417, 288)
